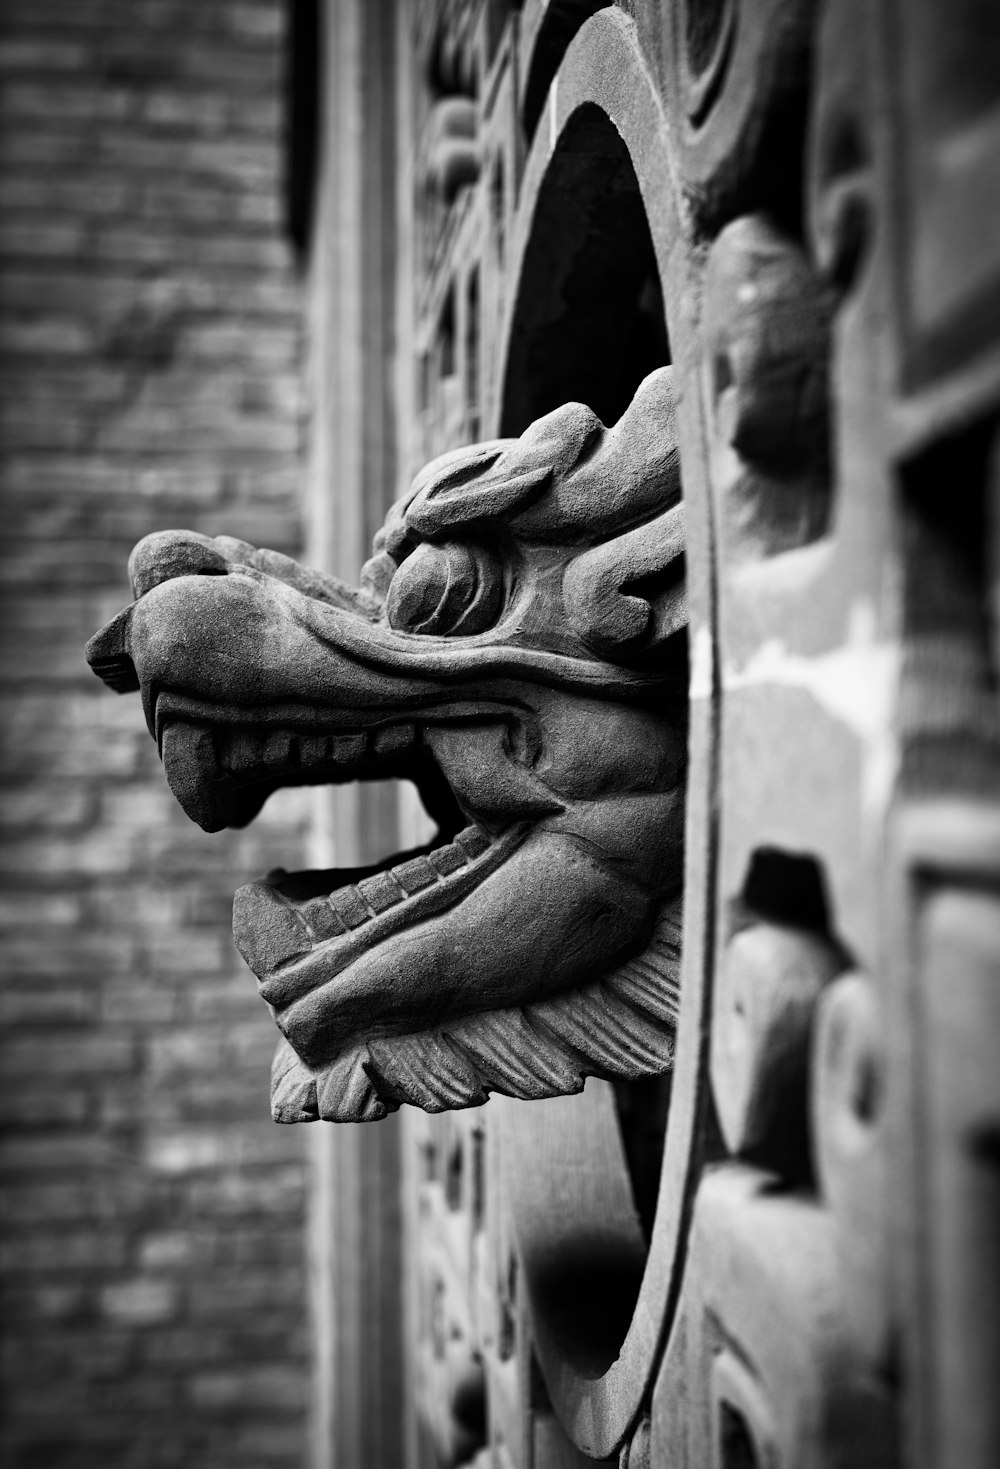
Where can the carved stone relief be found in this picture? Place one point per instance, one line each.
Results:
(781, 1250)
(516, 648)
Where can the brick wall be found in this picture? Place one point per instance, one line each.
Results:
(153, 1237)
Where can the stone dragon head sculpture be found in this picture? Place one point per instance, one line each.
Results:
(516, 650)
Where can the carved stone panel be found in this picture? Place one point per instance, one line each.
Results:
(694, 666)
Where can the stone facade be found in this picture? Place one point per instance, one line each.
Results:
(787, 1254)
(777, 1245)
(153, 1248)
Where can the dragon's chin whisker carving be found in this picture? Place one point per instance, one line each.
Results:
(501, 655)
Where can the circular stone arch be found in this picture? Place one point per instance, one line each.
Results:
(605, 279)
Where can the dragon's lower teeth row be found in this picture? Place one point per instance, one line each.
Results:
(349, 907)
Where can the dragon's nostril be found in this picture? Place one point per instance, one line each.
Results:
(446, 589)
(170, 553)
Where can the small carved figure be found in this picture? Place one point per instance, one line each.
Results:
(517, 650)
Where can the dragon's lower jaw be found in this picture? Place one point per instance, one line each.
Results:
(481, 923)
(298, 930)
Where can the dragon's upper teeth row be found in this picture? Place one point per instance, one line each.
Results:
(243, 751)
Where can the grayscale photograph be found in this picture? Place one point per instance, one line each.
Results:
(500, 734)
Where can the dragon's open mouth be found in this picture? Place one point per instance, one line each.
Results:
(299, 931)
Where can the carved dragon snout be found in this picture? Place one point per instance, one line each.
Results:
(516, 650)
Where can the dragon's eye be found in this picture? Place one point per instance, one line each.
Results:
(445, 589)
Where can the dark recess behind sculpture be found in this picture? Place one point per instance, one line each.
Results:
(588, 322)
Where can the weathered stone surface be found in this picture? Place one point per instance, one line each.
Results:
(522, 661)
(784, 1250)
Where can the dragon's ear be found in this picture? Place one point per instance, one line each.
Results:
(626, 597)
